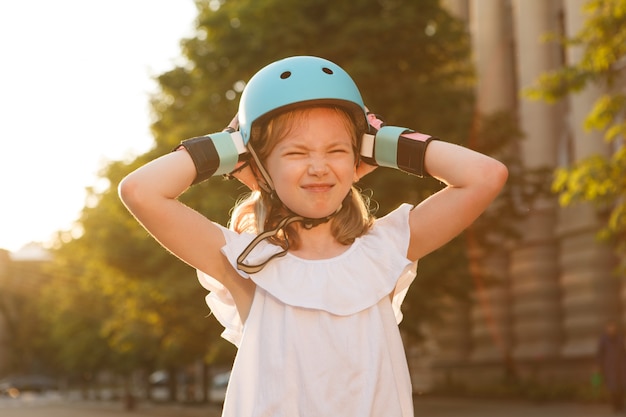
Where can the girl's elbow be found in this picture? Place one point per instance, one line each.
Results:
(492, 175)
(128, 191)
(501, 173)
(496, 174)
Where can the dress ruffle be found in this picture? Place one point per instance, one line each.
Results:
(374, 267)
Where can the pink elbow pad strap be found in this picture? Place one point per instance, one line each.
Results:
(397, 147)
(214, 154)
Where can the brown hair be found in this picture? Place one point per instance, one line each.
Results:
(261, 211)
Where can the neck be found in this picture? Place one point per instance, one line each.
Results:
(317, 243)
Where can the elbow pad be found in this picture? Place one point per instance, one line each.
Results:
(215, 154)
(395, 147)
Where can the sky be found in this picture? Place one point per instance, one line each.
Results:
(75, 82)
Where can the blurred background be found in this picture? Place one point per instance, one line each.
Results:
(513, 308)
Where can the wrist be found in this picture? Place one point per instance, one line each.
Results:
(395, 147)
(214, 154)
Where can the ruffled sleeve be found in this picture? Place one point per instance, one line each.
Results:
(219, 299)
(395, 226)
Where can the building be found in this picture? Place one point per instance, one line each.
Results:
(555, 289)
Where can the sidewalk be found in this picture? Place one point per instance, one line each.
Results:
(424, 407)
(456, 407)
(61, 408)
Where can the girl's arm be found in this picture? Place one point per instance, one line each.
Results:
(473, 182)
(150, 193)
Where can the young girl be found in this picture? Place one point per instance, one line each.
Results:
(307, 283)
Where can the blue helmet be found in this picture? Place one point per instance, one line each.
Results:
(294, 81)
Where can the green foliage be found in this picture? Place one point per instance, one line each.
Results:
(607, 115)
(73, 313)
(597, 179)
(603, 41)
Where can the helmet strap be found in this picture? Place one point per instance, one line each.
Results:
(267, 184)
(307, 223)
(251, 269)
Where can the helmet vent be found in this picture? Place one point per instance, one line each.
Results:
(285, 75)
(327, 70)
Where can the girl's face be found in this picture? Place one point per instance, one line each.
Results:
(313, 166)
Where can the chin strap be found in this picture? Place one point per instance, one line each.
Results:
(307, 223)
(267, 184)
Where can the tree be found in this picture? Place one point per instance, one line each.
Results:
(137, 306)
(73, 313)
(598, 179)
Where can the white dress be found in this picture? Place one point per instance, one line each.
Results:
(322, 337)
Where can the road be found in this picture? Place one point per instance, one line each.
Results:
(55, 405)
(51, 406)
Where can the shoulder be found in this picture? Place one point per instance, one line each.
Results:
(393, 229)
(398, 217)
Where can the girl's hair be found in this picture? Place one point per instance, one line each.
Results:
(260, 211)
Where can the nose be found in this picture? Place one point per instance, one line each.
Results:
(318, 165)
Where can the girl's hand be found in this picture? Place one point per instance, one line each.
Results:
(234, 124)
(242, 170)
(362, 169)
